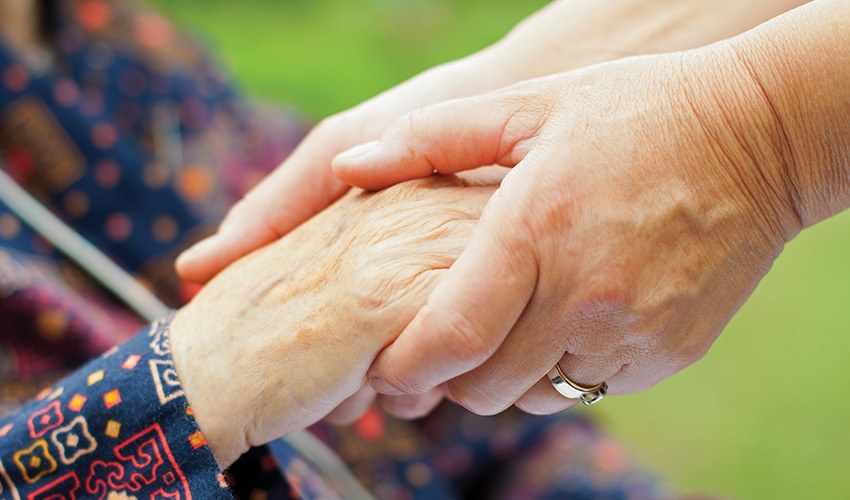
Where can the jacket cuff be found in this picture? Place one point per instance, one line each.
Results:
(119, 428)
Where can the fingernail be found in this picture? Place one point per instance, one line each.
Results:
(383, 387)
(197, 249)
(358, 151)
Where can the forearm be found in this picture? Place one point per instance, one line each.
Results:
(570, 34)
(800, 63)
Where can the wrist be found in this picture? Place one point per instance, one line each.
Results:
(219, 420)
(746, 135)
(798, 63)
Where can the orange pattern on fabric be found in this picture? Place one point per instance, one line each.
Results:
(197, 440)
(95, 377)
(195, 182)
(35, 461)
(112, 398)
(77, 402)
(28, 126)
(113, 429)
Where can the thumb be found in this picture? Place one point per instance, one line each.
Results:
(471, 310)
(461, 134)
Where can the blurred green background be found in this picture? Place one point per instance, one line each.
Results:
(763, 416)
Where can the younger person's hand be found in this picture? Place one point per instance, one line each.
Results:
(647, 198)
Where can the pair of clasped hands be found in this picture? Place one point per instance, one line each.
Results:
(643, 202)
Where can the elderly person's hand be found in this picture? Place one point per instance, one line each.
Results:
(647, 199)
(284, 335)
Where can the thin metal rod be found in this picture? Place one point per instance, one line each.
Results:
(78, 249)
(328, 462)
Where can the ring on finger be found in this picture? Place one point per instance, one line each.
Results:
(572, 390)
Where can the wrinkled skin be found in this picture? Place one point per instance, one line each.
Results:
(286, 334)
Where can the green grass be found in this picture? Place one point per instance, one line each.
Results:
(763, 416)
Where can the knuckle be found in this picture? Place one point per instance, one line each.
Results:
(411, 123)
(691, 353)
(402, 383)
(554, 218)
(465, 339)
(609, 298)
(404, 127)
(683, 345)
(415, 131)
(626, 355)
(597, 326)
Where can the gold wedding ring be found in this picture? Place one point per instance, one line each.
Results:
(571, 390)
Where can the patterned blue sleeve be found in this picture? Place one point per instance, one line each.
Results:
(119, 428)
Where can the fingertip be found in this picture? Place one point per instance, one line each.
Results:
(369, 171)
(356, 155)
(381, 386)
(349, 165)
(410, 407)
(369, 179)
(196, 264)
(395, 371)
(390, 372)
